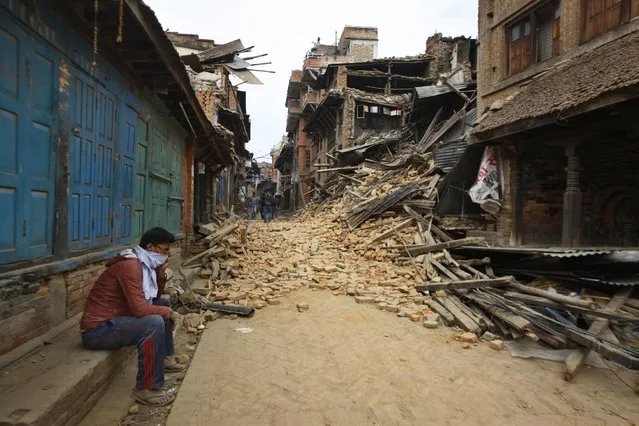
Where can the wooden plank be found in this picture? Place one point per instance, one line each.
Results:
(458, 285)
(475, 262)
(554, 296)
(577, 357)
(440, 233)
(469, 312)
(475, 272)
(542, 301)
(337, 169)
(515, 321)
(462, 320)
(390, 232)
(216, 237)
(446, 316)
(443, 269)
(417, 250)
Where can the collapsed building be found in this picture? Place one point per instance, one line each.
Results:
(210, 68)
(343, 96)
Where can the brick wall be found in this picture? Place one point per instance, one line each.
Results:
(492, 69)
(609, 182)
(341, 79)
(207, 101)
(192, 41)
(441, 49)
(543, 183)
(78, 284)
(28, 310)
(362, 50)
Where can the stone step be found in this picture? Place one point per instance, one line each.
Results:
(58, 383)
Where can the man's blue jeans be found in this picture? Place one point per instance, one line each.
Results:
(153, 336)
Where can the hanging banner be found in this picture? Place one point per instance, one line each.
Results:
(487, 188)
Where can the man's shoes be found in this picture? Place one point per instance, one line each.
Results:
(171, 366)
(154, 398)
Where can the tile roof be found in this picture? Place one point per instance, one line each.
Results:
(570, 83)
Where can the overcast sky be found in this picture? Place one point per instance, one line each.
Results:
(286, 29)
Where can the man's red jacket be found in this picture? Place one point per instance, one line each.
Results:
(118, 292)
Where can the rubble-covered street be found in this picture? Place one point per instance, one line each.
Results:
(321, 357)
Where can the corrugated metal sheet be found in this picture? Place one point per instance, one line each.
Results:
(453, 144)
(424, 92)
(576, 253)
(447, 156)
(221, 51)
(245, 75)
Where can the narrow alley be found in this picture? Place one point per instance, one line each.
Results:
(316, 357)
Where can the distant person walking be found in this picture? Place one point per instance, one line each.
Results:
(267, 203)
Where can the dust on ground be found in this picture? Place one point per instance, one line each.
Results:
(340, 363)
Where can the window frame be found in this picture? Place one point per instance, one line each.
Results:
(523, 51)
(627, 11)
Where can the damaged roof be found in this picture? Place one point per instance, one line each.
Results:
(565, 86)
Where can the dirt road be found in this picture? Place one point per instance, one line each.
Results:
(341, 363)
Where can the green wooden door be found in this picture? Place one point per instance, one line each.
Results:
(176, 197)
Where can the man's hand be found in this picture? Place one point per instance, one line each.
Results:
(162, 270)
(174, 316)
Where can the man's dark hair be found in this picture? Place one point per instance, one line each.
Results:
(156, 236)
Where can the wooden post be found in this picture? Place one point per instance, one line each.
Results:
(572, 200)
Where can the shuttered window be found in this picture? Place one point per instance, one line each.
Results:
(534, 38)
(605, 15)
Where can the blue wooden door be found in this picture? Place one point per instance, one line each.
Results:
(104, 188)
(91, 151)
(124, 174)
(28, 105)
(82, 112)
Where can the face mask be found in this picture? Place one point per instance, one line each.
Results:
(157, 258)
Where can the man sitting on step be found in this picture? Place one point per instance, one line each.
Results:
(124, 309)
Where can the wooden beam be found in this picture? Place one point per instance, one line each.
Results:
(462, 320)
(390, 232)
(417, 250)
(577, 357)
(567, 300)
(458, 285)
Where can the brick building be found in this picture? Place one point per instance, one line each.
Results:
(356, 44)
(558, 96)
(210, 67)
(342, 93)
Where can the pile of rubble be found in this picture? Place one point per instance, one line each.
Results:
(388, 205)
(376, 236)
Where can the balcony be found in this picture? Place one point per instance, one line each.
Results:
(310, 99)
(294, 106)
